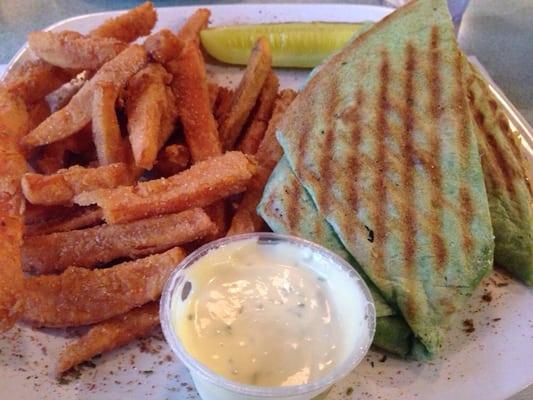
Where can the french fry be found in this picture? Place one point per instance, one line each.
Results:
(129, 26)
(69, 49)
(61, 187)
(245, 96)
(14, 122)
(190, 86)
(77, 113)
(223, 104)
(109, 335)
(81, 296)
(106, 131)
(259, 119)
(102, 244)
(213, 89)
(31, 80)
(203, 184)
(245, 219)
(172, 159)
(38, 112)
(195, 23)
(70, 219)
(152, 113)
(163, 46)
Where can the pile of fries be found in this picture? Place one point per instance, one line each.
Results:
(112, 155)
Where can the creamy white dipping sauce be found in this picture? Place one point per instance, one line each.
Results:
(257, 314)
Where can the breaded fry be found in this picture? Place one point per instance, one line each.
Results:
(129, 26)
(109, 335)
(70, 219)
(213, 89)
(77, 113)
(61, 187)
(152, 113)
(106, 131)
(81, 296)
(223, 104)
(69, 49)
(14, 121)
(245, 219)
(259, 65)
(260, 116)
(38, 112)
(172, 159)
(203, 184)
(31, 80)
(190, 86)
(102, 244)
(195, 23)
(163, 46)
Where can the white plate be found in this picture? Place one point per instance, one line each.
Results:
(491, 363)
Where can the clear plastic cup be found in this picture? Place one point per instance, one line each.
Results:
(351, 296)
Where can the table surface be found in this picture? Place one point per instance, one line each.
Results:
(499, 33)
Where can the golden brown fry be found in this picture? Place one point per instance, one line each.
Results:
(81, 296)
(246, 219)
(52, 158)
(38, 112)
(263, 111)
(61, 187)
(32, 80)
(152, 113)
(70, 219)
(172, 159)
(68, 49)
(77, 113)
(190, 86)
(129, 26)
(204, 183)
(14, 121)
(223, 104)
(195, 23)
(213, 89)
(102, 244)
(109, 335)
(163, 46)
(106, 131)
(247, 92)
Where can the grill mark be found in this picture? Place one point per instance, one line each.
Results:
(466, 211)
(377, 208)
(324, 195)
(407, 178)
(293, 196)
(434, 170)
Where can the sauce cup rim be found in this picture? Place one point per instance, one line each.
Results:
(334, 375)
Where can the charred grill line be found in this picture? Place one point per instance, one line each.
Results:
(292, 210)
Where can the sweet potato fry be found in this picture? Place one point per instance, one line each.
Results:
(152, 113)
(245, 219)
(68, 49)
(213, 89)
(109, 335)
(129, 26)
(81, 296)
(33, 79)
(254, 77)
(223, 104)
(71, 218)
(172, 159)
(106, 131)
(38, 112)
(190, 86)
(61, 187)
(14, 122)
(77, 113)
(195, 23)
(163, 46)
(102, 244)
(260, 116)
(203, 184)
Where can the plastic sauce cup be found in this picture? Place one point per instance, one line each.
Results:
(354, 306)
